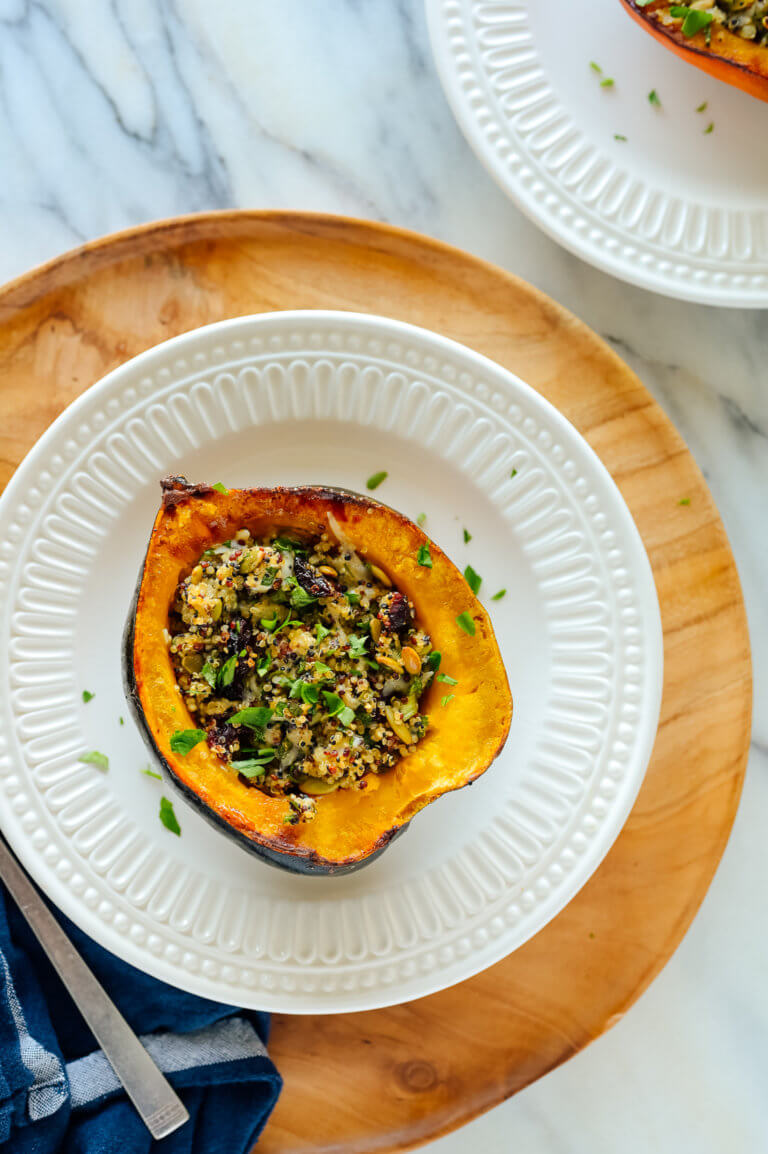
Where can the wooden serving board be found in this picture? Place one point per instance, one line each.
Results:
(393, 1078)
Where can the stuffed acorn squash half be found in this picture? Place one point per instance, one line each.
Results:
(309, 669)
(726, 38)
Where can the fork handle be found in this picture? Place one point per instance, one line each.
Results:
(160, 1107)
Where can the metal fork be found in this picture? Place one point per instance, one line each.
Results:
(160, 1107)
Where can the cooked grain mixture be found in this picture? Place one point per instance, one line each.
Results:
(302, 664)
(746, 18)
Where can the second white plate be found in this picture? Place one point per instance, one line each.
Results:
(672, 207)
(332, 398)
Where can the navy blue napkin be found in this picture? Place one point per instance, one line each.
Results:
(58, 1093)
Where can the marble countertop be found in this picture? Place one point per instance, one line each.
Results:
(121, 111)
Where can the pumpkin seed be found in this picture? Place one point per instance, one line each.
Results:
(196, 575)
(381, 576)
(390, 663)
(316, 786)
(375, 629)
(411, 661)
(397, 726)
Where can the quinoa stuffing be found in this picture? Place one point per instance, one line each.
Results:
(745, 18)
(302, 665)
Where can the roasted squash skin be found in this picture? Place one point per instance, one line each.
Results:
(727, 57)
(351, 827)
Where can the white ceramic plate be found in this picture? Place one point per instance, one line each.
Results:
(324, 397)
(672, 208)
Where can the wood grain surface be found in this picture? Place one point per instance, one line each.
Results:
(391, 1079)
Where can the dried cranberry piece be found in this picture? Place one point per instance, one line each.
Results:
(395, 612)
(310, 581)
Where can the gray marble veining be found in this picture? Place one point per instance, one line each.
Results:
(119, 111)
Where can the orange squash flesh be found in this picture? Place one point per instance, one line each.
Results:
(350, 826)
(727, 56)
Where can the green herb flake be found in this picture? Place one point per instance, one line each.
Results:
(694, 20)
(208, 673)
(353, 598)
(467, 536)
(498, 596)
(446, 679)
(595, 66)
(710, 128)
(607, 82)
(184, 740)
(513, 474)
(333, 703)
(226, 674)
(100, 760)
(376, 479)
(121, 720)
(421, 520)
(168, 817)
(321, 631)
(323, 670)
(300, 599)
(346, 716)
(684, 501)
(263, 666)
(88, 696)
(434, 659)
(255, 717)
(151, 773)
(703, 106)
(309, 693)
(448, 698)
(221, 488)
(424, 557)
(619, 136)
(357, 645)
(654, 98)
(268, 623)
(473, 579)
(465, 622)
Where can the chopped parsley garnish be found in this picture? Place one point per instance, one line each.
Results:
(595, 66)
(693, 18)
(357, 645)
(434, 659)
(263, 666)
(448, 680)
(168, 817)
(607, 82)
(465, 622)
(121, 720)
(346, 715)
(323, 669)
(300, 599)
(467, 536)
(309, 693)
(255, 717)
(703, 106)
(619, 136)
(321, 631)
(421, 520)
(226, 674)
(151, 773)
(498, 596)
(220, 489)
(183, 740)
(710, 128)
(208, 672)
(100, 760)
(473, 579)
(684, 501)
(653, 98)
(376, 479)
(87, 696)
(268, 623)
(513, 474)
(288, 543)
(333, 703)
(445, 700)
(424, 557)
